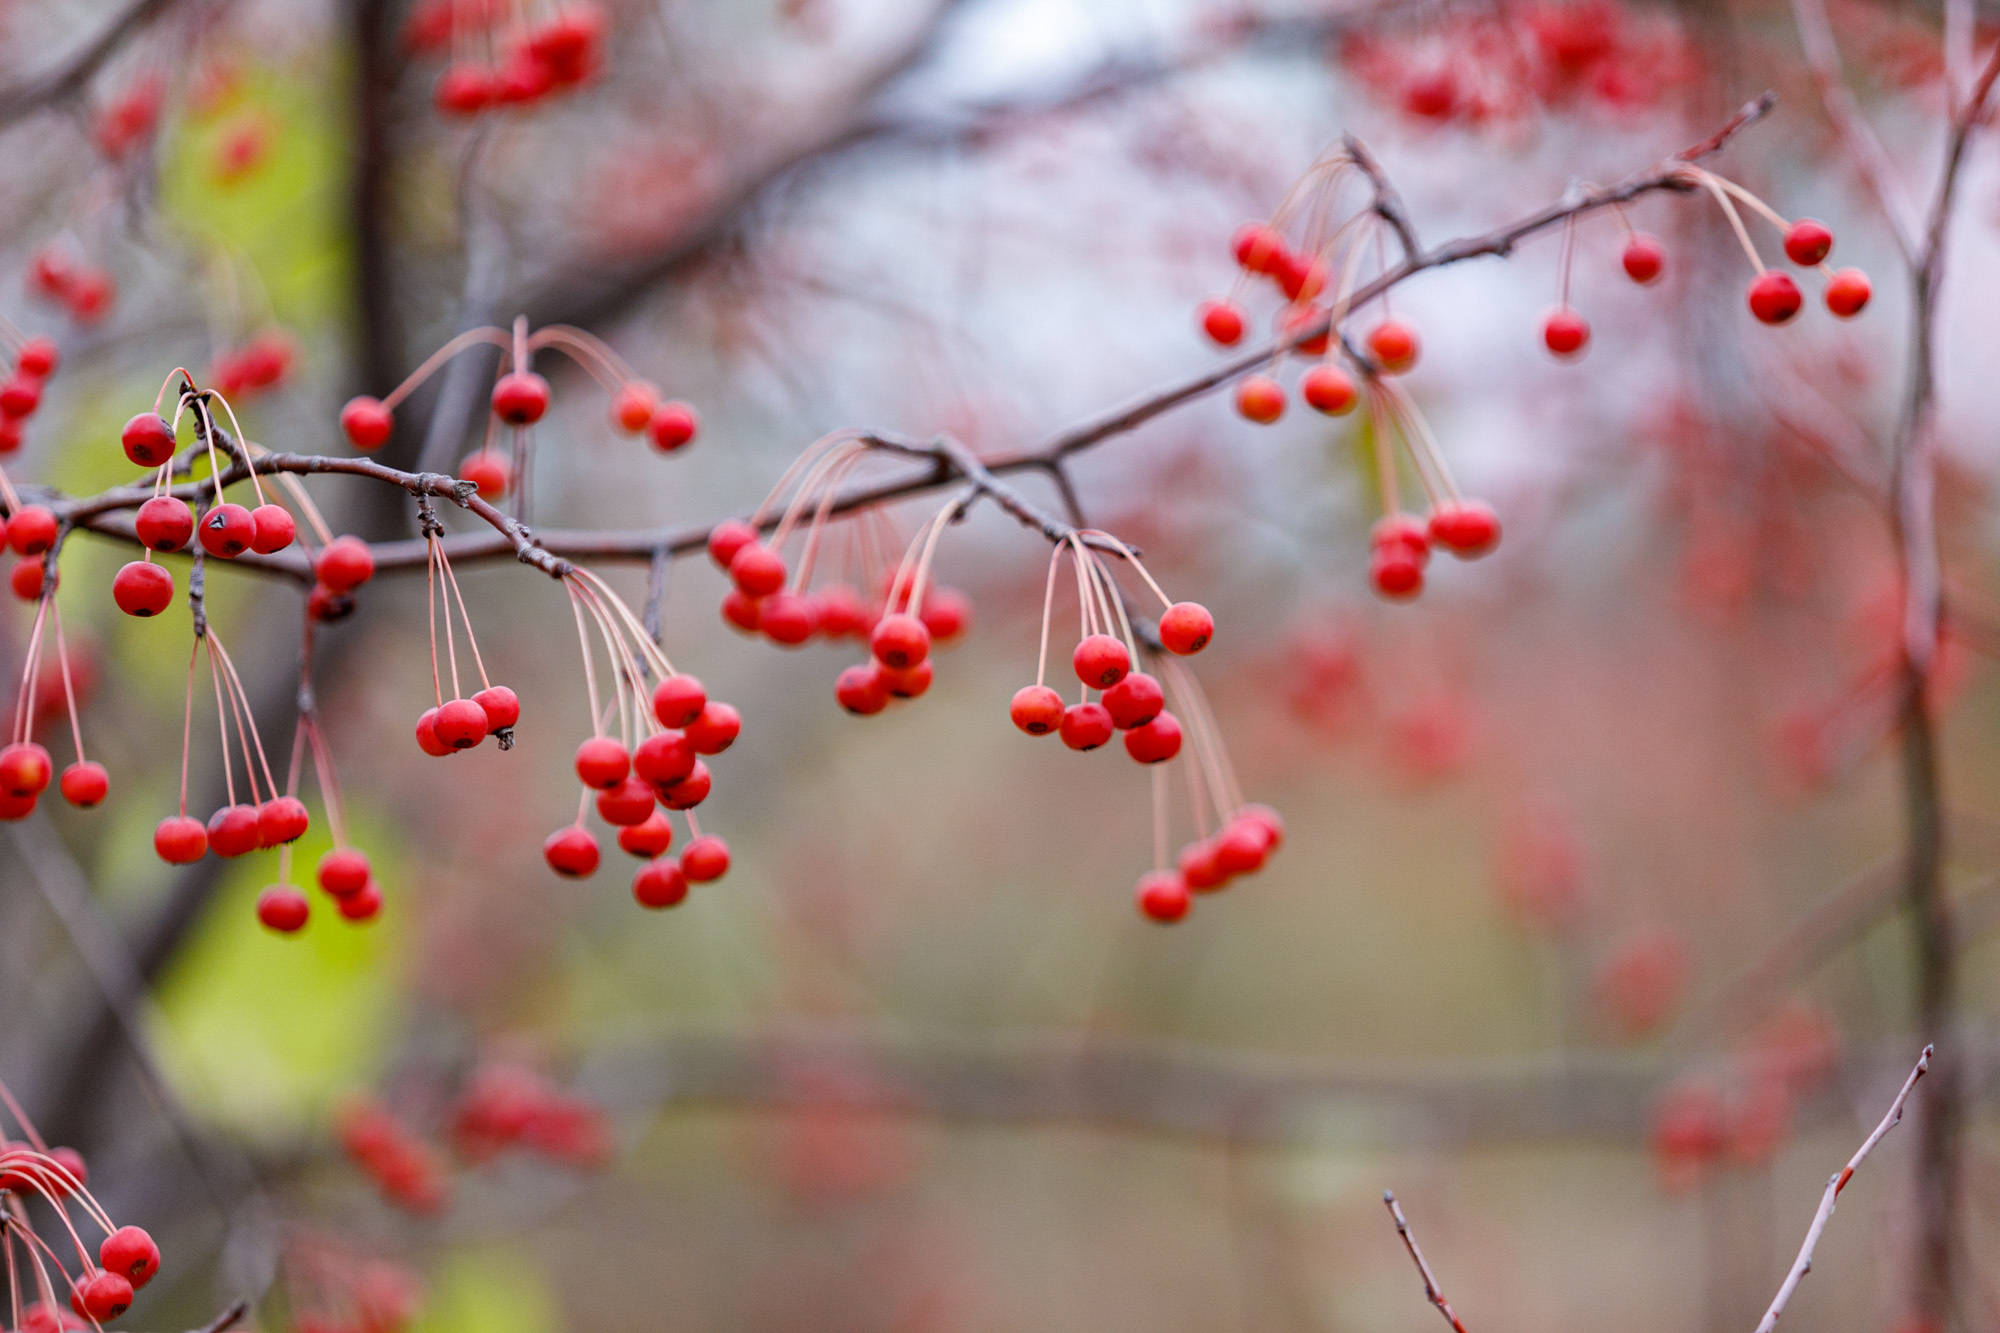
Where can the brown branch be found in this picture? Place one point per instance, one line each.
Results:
(68, 78)
(1432, 1292)
(1871, 159)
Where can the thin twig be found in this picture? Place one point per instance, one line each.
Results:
(1432, 1292)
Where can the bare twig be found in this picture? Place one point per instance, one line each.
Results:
(1878, 174)
(67, 79)
(1432, 1292)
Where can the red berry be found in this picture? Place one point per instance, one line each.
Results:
(1395, 573)
(862, 690)
(1466, 528)
(1265, 818)
(11, 436)
(1301, 277)
(1565, 332)
(343, 872)
(31, 530)
(362, 906)
(1807, 242)
(142, 589)
(705, 859)
(632, 406)
(1157, 741)
(38, 357)
(659, 884)
(728, 537)
(282, 819)
(664, 758)
(130, 1253)
(427, 736)
(20, 395)
(628, 803)
(1134, 701)
(164, 523)
(672, 426)
(1101, 661)
(1295, 324)
(463, 90)
(148, 439)
(227, 530)
(1186, 628)
(900, 641)
(1222, 322)
(17, 807)
(1328, 389)
(1163, 896)
(272, 529)
(945, 613)
(1394, 345)
(841, 614)
(716, 729)
(1847, 291)
(461, 724)
(1036, 709)
(489, 471)
(520, 398)
(757, 570)
(571, 852)
(502, 705)
(1774, 297)
(678, 700)
(1241, 847)
(743, 612)
(232, 831)
(1261, 399)
(648, 838)
(1257, 247)
(27, 579)
(910, 683)
(25, 769)
(85, 783)
(1199, 868)
(602, 762)
(344, 564)
(1400, 532)
(365, 421)
(180, 840)
(1086, 726)
(283, 908)
(102, 1296)
(690, 791)
(787, 618)
(1644, 258)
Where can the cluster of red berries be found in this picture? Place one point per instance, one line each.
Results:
(532, 60)
(1129, 701)
(333, 1291)
(1774, 297)
(509, 1106)
(25, 772)
(125, 1261)
(260, 363)
(407, 1171)
(346, 878)
(1240, 847)
(1701, 1125)
(35, 359)
(128, 119)
(83, 289)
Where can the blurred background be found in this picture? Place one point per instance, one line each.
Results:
(1589, 935)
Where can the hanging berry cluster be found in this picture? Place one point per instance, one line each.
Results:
(59, 276)
(34, 361)
(505, 54)
(332, 1289)
(39, 1283)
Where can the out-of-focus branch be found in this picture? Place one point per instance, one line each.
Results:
(1803, 1264)
(44, 90)
(1432, 1291)
(1878, 174)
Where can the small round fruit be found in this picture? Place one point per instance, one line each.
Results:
(461, 724)
(32, 530)
(862, 690)
(142, 589)
(672, 427)
(664, 758)
(365, 421)
(227, 530)
(1101, 661)
(283, 908)
(632, 406)
(1466, 528)
(602, 763)
(520, 398)
(232, 831)
(728, 537)
(25, 769)
(1394, 345)
(678, 700)
(1157, 741)
(1222, 322)
(1847, 292)
(180, 840)
(900, 641)
(1774, 298)
(648, 838)
(148, 439)
(629, 803)
(1328, 389)
(130, 1253)
(1644, 258)
(343, 872)
(282, 819)
(344, 564)
(502, 706)
(571, 852)
(705, 859)
(85, 783)
(1261, 399)
(164, 523)
(1134, 701)
(1086, 726)
(1565, 332)
(1163, 896)
(1036, 709)
(487, 470)
(660, 884)
(716, 729)
(272, 529)
(1186, 628)
(757, 570)
(1807, 242)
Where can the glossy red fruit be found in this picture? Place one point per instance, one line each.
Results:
(1301, 277)
(226, 531)
(11, 437)
(787, 618)
(1394, 345)
(716, 729)
(571, 852)
(659, 884)
(180, 840)
(344, 564)
(1085, 726)
(1396, 573)
(1328, 389)
(27, 579)
(946, 612)
(705, 859)
(1644, 258)
(1847, 292)
(1186, 628)
(1466, 528)
(232, 831)
(841, 613)
(743, 612)
(862, 690)
(25, 769)
(1269, 821)
(520, 398)
(427, 735)
(1157, 741)
(1774, 298)
(1401, 532)
(910, 683)
(757, 570)
(20, 395)
(1198, 867)
(602, 763)
(690, 791)
(1163, 896)
(487, 470)
(728, 537)
(31, 530)
(130, 1253)
(272, 529)
(664, 758)
(362, 906)
(101, 1296)
(365, 421)
(900, 641)
(678, 700)
(672, 427)
(1261, 399)
(502, 705)
(628, 803)
(1241, 847)
(142, 589)
(1222, 322)
(632, 406)
(648, 838)
(283, 908)
(164, 523)
(1134, 701)
(280, 820)
(1807, 242)
(17, 807)
(38, 357)
(461, 724)
(148, 439)
(343, 871)
(1101, 661)
(1565, 332)
(85, 783)
(1036, 709)
(1257, 247)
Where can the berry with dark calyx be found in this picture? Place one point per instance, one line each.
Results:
(1261, 399)
(365, 421)
(31, 530)
(650, 837)
(130, 1253)
(282, 819)
(1644, 258)
(343, 872)
(1847, 292)
(283, 908)
(487, 470)
(571, 852)
(1186, 628)
(38, 357)
(757, 570)
(632, 406)
(520, 398)
(602, 763)
(227, 530)
(705, 859)
(180, 840)
(1157, 741)
(1086, 726)
(1774, 298)
(232, 831)
(17, 807)
(101, 1296)
(27, 579)
(1807, 242)
(1466, 528)
(660, 884)
(728, 537)
(1222, 322)
(427, 735)
(164, 523)
(142, 589)
(85, 783)
(716, 729)
(1036, 709)
(678, 700)
(272, 529)
(1565, 332)
(862, 690)
(1394, 345)
(461, 724)
(1163, 896)
(1134, 701)
(787, 618)
(672, 427)
(900, 641)
(502, 706)
(148, 439)
(910, 683)
(1328, 389)
(664, 758)
(1101, 661)
(628, 803)
(344, 564)
(25, 769)
(362, 906)
(690, 791)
